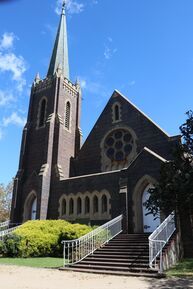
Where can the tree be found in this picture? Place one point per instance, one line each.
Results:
(174, 192)
(5, 201)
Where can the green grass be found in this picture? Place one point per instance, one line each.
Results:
(183, 268)
(33, 262)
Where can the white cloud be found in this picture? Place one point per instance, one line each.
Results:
(14, 119)
(9, 62)
(109, 50)
(83, 83)
(93, 87)
(5, 97)
(72, 6)
(7, 40)
(1, 134)
(132, 83)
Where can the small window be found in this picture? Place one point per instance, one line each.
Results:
(87, 205)
(63, 207)
(117, 112)
(104, 204)
(95, 204)
(42, 113)
(67, 115)
(71, 207)
(79, 206)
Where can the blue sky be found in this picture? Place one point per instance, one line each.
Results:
(143, 48)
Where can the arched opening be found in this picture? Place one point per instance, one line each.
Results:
(95, 205)
(42, 113)
(79, 206)
(116, 112)
(34, 209)
(67, 115)
(87, 205)
(63, 207)
(71, 207)
(30, 207)
(149, 222)
(104, 204)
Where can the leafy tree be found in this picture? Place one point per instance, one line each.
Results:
(174, 192)
(5, 201)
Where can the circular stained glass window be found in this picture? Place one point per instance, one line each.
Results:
(128, 149)
(118, 134)
(110, 141)
(127, 137)
(119, 156)
(110, 153)
(119, 145)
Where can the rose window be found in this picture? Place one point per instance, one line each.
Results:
(119, 145)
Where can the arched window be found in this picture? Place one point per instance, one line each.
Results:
(116, 112)
(95, 204)
(42, 113)
(71, 206)
(63, 207)
(87, 205)
(79, 206)
(104, 204)
(67, 115)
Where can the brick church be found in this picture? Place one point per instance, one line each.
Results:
(108, 175)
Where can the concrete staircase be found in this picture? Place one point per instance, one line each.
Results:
(126, 254)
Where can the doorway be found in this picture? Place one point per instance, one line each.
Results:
(149, 221)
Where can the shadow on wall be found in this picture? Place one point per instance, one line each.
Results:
(174, 283)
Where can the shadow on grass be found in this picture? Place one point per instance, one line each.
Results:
(173, 282)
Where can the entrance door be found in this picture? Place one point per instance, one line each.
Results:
(149, 224)
(34, 209)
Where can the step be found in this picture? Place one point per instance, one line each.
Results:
(113, 264)
(122, 260)
(118, 256)
(124, 249)
(137, 246)
(109, 272)
(121, 254)
(117, 268)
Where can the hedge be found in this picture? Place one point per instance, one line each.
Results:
(41, 238)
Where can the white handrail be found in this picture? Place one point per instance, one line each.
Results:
(4, 224)
(7, 232)
(78, 249)
(158, 239)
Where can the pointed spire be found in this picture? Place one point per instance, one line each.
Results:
(37, 78)
(60, 51)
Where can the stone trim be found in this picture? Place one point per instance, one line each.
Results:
(28, 206)
(139, 189)
(91, 215)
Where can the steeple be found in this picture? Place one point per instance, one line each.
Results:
(60, 52)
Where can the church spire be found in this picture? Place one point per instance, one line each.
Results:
(60, 51)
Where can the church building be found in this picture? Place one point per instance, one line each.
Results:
(108, 175)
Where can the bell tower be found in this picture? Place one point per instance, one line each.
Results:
(51, 136)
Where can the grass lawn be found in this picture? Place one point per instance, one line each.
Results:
(33, 262)
(183, 268)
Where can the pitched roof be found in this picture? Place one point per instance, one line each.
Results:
(147, 117)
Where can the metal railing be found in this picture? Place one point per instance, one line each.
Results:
(158, 239)
(4, 224)
(76, 250)
(7, 232)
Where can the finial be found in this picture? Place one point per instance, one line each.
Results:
(37, 78)
(63, 6)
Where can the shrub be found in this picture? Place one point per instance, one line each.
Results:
(42, 238)
(10, 245)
